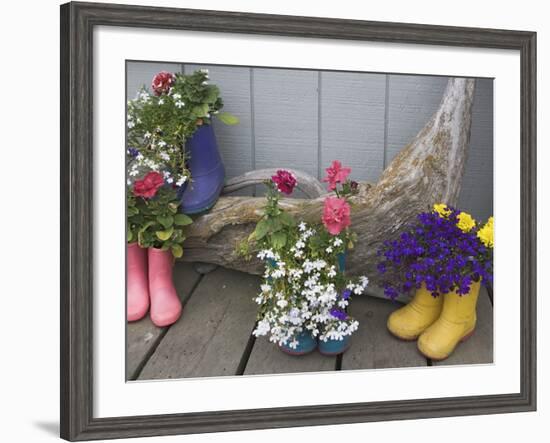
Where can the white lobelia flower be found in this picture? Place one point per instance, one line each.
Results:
(169, 180)
(332, 272)
(180, 104)
(265, 288)
(161, 101)
(282, 303)
(337, 242)
(128, 182)
(181, 181)
(328, 250)
(147, 135)
(164, 156)
(177, 96)
(262, 329)
(364, 281)
(302, 227)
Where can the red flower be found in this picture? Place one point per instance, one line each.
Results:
(336, 215)
(149, 186)
(161, 82)
(336, 174)
(285, 181)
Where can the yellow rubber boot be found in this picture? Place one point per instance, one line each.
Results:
(408, 322)
(456, 323)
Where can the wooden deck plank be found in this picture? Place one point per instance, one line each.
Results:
(479, 347)
(212, 334)
(372, 345)
(266, 358)
(142, 335)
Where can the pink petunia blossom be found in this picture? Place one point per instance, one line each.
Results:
(336, 174)
(148, 187)
(285, 181)
(336, 215)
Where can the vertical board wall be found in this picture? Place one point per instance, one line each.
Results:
(304, 119)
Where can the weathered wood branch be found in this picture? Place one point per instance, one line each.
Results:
(426, 171)
(309, 185)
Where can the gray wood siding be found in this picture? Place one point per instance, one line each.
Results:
(305, 119)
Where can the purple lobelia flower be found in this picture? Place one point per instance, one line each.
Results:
(133, 152)
(435, 252)
(346, 294)
(339, 314)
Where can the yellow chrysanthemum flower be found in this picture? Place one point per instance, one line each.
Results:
(486, 233)
(465, 222)
(442, 210)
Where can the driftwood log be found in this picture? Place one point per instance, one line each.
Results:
(426, 171)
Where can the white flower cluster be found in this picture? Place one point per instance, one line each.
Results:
(301, 293)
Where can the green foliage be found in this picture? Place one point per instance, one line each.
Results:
(272, 230)
(155, 223)
(159, 126)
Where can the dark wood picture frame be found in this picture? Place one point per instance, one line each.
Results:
(77, 23)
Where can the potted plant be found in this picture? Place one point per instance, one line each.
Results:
(442, 258)
(304, 296)
(155, 233)
(177, 114)
(173, 166)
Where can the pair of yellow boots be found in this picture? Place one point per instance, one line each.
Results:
(439, 323)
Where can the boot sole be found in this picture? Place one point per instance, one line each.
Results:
(332, 354)
(294, 353)
(402, 338)
(462, 340)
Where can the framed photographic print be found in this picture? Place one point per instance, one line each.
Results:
(273, 221)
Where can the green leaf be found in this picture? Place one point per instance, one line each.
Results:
(228, 119)
(287, 219)
(262, 229)
(177, 251)
(212, 94)
(164, 235)
(166, 220)
(146, 226)
(182, 220)
(201, 110)
(129, 236)
(278, 239)
(131, 211)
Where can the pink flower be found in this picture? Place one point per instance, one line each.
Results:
(336, 174)
(336, 215)
(285, 181)
(161, 82)
(148, 187)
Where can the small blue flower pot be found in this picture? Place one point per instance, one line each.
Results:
(334, 347)
(306, 344)
(342, 261)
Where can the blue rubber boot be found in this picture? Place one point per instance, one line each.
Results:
(207, 172)
(306, 344)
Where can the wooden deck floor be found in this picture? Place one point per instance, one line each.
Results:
(213, 336)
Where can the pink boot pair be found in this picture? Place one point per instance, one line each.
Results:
(149, 281)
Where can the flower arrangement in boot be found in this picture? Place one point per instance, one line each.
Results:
(443, 257)
(305, 294)
(170, 130)
(155, 233)
(162, 125)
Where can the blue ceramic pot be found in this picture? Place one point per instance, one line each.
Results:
(334, 347)
(207, 172)
(306, 344)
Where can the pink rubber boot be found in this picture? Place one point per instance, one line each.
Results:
(137, 290)
(165, 303)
